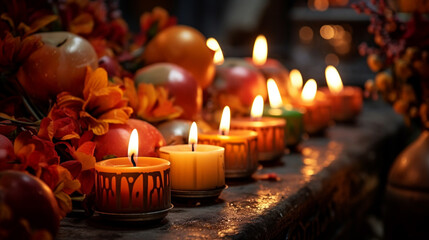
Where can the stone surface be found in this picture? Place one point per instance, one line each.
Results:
(322, 192)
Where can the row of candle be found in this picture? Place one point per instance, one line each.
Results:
(144, 185)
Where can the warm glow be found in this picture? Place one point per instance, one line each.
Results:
(327, 32)
(193, 135)
(260, 50)
(296, 79)
(257, 107)
(333, 79)
(133, 145)
(274, 94)
(306, 34)
(309, 91)
(225, 121)
(214, 45)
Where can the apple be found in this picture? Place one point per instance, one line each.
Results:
(60, 65)
(186, 47)
(115, 141)
(180, 84)
(240, 79)
(31, 199)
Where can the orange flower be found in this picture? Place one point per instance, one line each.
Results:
(101, 104)
(150, 103)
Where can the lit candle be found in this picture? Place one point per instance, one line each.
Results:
(270, 131)
(294, 85)
(237, 81)
(195, 167)
(134, 184)
(346, 102)
(317, 116)
(294, 123)
(270, 68)
(241, 153)
(214, 45)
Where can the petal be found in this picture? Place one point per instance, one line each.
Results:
(94, 81)
(120, 115)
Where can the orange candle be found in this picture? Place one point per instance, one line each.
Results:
(346, 102)
(134, 184)
(317, 116)
(270, 131)
(241, 153)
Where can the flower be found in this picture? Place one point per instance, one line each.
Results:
(101, 105)
(150, 103)
(14, 51)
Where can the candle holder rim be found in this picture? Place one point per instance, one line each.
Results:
(185, 148)
(126, 163)
(251, 133)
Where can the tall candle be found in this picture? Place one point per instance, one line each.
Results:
(294, 127)
(346, 102)
(241, 153)
(270, 131)
(195, 166)
(121, 187)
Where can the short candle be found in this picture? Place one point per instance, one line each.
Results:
(270, 131)
(317, 116)
(121, 187)
(294, 127)
(346, 102)
(195, 167)
(241, 153)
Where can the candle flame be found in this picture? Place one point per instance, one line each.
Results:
(193, 135)
(225, 121)
(274, 94)
(133, 146)
(333, 79)
(309, 91)
(257, 107)
(296, 79)
(260, 50)
(214, 45)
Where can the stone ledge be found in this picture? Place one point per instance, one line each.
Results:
(321, 192)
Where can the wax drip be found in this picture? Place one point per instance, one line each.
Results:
(132, 160)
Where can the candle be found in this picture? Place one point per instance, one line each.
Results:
(195, 167)
(236, 84)
(346, 102)
(270, 131)
(294, 85)
(134, 184)
(270, 68)
(317, 116)
(241, 153)
(294, 123)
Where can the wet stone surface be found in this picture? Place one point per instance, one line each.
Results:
(322, 192)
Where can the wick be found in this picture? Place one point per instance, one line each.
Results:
(193, 147)
(222, 132)
(132, 160)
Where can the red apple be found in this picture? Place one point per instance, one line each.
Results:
(241, 80)
(60, 65)
(31, 199)
(186, 47)
(115, 141)
(180, 84)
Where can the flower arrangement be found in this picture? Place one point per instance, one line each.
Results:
(55, 138)
(399, 57)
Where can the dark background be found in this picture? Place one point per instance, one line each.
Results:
(236, 23)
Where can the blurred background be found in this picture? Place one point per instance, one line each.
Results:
(302, 34)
